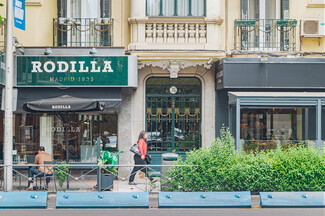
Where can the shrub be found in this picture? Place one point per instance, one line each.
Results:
(221, 168)
(61, 173)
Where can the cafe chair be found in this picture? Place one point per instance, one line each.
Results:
(46, 177)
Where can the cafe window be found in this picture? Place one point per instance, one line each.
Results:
(181, 8)
(269, 127)
(31, 131)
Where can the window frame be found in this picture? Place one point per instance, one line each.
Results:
(175, 9)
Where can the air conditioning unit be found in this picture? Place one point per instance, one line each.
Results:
(312, 28)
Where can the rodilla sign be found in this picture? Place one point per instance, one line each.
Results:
(117, 71)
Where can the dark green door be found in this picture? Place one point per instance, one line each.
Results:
(173, 116)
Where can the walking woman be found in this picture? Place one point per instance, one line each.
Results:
(141, 159)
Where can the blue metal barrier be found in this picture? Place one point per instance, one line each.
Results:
(241, 199)
(292, 199)
(102, 200)
(23, 199)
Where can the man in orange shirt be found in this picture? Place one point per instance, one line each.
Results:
(41, 170)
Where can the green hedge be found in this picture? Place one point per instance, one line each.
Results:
(221, 168)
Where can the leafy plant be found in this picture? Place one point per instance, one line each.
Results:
(108, 158)
(1, 18)
(221, 168)
(61, 173)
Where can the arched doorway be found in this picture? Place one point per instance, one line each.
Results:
(173, 116)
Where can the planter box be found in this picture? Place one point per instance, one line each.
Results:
(106, 181)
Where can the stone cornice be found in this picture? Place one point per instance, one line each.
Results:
(174, 65)
(316, 5)
(207, 20)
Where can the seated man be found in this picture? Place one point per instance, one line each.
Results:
(41, 170)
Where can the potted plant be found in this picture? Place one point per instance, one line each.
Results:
(106, 162)
(61, 173)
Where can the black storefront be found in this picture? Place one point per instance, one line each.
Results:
(268, 102)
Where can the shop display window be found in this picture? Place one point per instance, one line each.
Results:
(32, 130)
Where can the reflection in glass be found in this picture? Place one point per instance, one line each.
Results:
(32, 130)
(265, 128)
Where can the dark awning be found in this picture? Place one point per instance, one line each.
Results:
(266, 73)
(110, 96)
(63, 103)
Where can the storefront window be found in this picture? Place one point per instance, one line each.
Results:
(266, 128)
(31, 131)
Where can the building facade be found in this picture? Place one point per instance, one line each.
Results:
(254, 66)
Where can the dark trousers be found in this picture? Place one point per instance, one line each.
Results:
(35, 172)
(139, 161)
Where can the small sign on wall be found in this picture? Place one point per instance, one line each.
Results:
(19, 14)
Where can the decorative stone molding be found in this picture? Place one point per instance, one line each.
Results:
(170, 33)
(316, 4)
(34, 2)
(174, 66)
(175, 32)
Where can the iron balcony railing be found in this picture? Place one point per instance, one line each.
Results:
(82, 32)
(265, 35)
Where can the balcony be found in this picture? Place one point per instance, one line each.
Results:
(82, 32)
(265, 35)
(170, 33)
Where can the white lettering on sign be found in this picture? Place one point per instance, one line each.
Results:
(93, 67)
(108, 67)
(62, 129)
(61, 107)
(46, 66)
(82, 69)
(73, 66)
(36, 66)
(63, 67)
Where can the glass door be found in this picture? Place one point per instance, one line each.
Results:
(265, 13)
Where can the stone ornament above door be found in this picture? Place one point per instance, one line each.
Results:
(174, 66)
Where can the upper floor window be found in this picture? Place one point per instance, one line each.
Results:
(265, 9)
(84, 8)
(83, 23)
(182, 8)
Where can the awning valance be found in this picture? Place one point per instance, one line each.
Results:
(270, 73)
(277, 98)
(110, 96)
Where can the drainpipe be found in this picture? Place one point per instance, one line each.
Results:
(226, 25)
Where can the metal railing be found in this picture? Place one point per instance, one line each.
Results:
(82, 32)
(265, 35)
(87, 177)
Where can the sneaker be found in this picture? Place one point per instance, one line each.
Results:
(30, 189)
(132, 183)
(154, 180)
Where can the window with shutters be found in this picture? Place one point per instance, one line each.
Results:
(83, 23)
(265, 25)
(181, 8)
